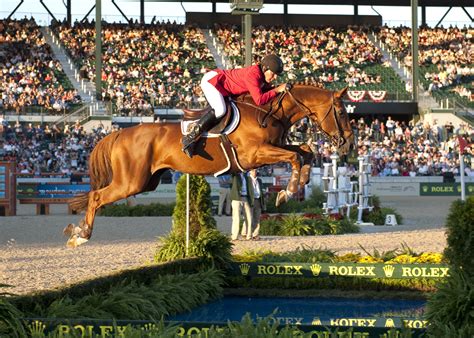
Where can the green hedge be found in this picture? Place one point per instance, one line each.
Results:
(451, 309)
(306, 225)
(139, 294)
(123, 210)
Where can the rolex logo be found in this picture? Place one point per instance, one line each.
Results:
(389, 323)
(316, 321)
(149, 327)
(315, 269)
(470, 188)
(37, 328)
(244, 269)
(425, 188)
(388, 269)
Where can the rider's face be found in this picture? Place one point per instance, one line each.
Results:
(270, 76)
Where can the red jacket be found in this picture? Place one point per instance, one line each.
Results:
(239, 81)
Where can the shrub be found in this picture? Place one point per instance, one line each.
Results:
(139, 301)
(270, 226)
(123, 210)
(200, 214)
(214, 245)
(10, 323)
(294, 225)
(306, 224)
(204, 239)
(450, 310)
(460, 235)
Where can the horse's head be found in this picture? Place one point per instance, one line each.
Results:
(326, 110)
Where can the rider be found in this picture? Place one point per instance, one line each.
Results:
(218, 84)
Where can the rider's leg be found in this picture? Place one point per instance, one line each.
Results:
(206, 122)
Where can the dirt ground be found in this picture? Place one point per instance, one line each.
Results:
(33, 255)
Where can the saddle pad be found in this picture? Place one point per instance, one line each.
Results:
(233, 123)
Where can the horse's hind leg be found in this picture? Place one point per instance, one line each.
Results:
(119, 188)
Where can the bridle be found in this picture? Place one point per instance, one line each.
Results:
(337, 140)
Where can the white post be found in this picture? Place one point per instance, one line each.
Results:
(360, 208)
(461, 169)
(187, 214)
(334, 188)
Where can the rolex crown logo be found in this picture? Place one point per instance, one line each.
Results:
(244, 269)
(425, 188)
(388, 269)
(389, 323)
(37, 328)
(316, 321)
(470, 188)
(315, 269)
(150, 327)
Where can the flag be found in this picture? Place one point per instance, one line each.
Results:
(462, 144)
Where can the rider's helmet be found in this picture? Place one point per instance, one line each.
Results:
(273, 63)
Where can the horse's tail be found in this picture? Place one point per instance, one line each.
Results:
(100, 170)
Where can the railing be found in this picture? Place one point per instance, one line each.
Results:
(79, 115)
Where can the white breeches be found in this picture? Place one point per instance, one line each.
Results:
(213, 96)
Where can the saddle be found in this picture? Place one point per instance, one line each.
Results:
(195, 114)
(227, 124)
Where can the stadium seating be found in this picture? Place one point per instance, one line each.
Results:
(330, 57)
(31, 80)
(144, 67)
(445, 59)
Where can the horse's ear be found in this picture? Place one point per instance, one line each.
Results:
(342, 92)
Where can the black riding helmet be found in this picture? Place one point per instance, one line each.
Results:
(273, 63)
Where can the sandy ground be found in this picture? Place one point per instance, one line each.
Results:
(33, 255)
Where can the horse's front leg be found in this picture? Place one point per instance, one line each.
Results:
(305, 151)
(269, 154)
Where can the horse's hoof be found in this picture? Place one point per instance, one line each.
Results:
(68, 230)
(75, 240)
(282, 197)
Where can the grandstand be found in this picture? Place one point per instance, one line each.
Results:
(152, 70)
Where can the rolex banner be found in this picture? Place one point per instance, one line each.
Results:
(375, 270)
(445, 189)
(313, 327)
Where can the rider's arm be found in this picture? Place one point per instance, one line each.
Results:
(254, 82)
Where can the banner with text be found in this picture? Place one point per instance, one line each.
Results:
(366, 270)
(445, 189)
(356, 327)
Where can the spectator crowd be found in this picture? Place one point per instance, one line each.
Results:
(30, 76)
(158, 65)
(328, 56)
(445, 56)
(397, 148)
(41, 149)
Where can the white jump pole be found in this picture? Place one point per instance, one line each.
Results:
(187, 214)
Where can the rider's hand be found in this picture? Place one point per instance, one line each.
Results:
(281, 88)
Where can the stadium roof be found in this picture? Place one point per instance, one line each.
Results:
(428, 3)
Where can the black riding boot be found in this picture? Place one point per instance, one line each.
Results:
(205, 123)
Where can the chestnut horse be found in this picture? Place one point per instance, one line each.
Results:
(130, 161)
